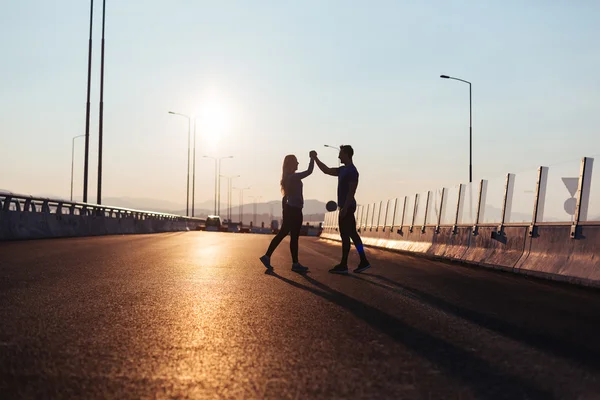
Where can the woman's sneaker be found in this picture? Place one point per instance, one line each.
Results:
(339, 269)
(297, 267)
(364, 265)
(266, 260)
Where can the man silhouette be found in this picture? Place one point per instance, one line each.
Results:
(347, 184)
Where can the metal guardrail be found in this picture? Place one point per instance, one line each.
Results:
(24, 203)
(435, 209)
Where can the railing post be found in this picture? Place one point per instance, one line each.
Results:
(394, 215)
(426, 211)
(415, 208)
(372, 218)
(459, 208)
(379, 216)
(540, 199)
(46, 207)
(480, 209)
(6, 205)
(27, 206)
(507, 201)
(442, 210)
(583, 195)
(403, 214)
(387, 208)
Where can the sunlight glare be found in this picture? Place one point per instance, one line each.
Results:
(214, 120)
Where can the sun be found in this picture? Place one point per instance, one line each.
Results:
(214, 120)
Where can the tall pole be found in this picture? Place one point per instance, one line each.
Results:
(255, 208)
(194, 170)
(101, 118)
(241, 206)
(219, 191)
(218, 182)
(73, 161)
(187, 197)
(470, 124)
(216, 175)
(470, 136)
(229, 188)
(87, 109)
(226, 177)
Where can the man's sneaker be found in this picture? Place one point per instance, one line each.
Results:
(339, 269)
(266, 260)
(297, 267)
(364, 265)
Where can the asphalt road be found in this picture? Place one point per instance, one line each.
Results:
(194, 315)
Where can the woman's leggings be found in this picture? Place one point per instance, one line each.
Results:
(292, 222)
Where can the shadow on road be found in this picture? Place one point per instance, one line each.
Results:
(485, 381)
(541, 341)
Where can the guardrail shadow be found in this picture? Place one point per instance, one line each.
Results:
(544, 342)
(478, 374)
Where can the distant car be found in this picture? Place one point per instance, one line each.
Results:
(213, 223)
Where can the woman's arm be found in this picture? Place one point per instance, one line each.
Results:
(304, 174)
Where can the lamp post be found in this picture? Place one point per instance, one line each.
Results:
(73, 161)
(187, 199)
(470, 125)
(87, 108)
(194, 170)
(335, 148)
(217, 180)
(229, 179)
(101, 117)
(255, 199)
(241, 209)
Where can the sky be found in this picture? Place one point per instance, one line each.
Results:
(270, 78)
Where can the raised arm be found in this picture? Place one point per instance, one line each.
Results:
(304, 174)
(326, 169)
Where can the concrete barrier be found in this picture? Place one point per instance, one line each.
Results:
(495, 249)
(551, 253)
(451, 243)
(26, 217)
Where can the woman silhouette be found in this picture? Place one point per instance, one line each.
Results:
(292, 202)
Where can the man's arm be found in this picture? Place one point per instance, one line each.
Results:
(326, 169)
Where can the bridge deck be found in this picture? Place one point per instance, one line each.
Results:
(195, 315)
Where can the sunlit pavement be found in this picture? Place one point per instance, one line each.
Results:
(194, 315)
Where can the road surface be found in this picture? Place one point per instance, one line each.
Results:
(194, 315)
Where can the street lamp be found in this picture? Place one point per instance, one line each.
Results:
(255, 199)
(217, 180)
(194, 170)
(229, 179)
(470, 125)
(241, 209)
(101, 117)
(187, 200)
(335, 148)
(87, 108)
(73, 161)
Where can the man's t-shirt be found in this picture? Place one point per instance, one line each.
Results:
(346, 174)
